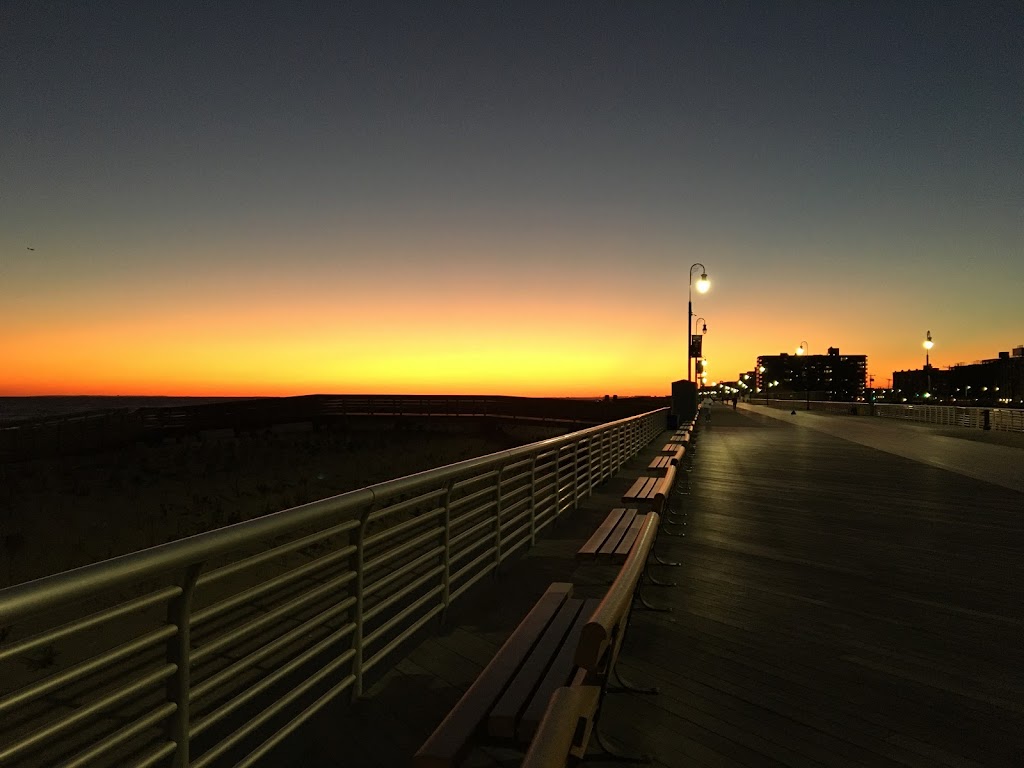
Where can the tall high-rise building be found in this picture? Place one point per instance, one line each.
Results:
(819, 377)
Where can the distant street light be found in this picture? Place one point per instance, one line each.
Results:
(702, 287)
(802, 351)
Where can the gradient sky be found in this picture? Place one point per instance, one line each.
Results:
(283, 198)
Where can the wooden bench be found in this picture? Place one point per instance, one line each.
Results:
(646, 491)
(563, 644)
(659, 465)
(651, 492)
(654, 493)
(666, 458)
(614, 538)
(508, 698)
(574, 711)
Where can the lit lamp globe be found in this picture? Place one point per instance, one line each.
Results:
(703, 284)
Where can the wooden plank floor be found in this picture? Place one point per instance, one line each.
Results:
(837, 606)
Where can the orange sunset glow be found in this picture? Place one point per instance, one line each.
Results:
(488, 215)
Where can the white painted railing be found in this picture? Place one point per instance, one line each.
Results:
(1000, 419)
(211, 650)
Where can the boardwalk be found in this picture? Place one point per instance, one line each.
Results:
(838, 605)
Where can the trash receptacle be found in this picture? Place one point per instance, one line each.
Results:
(986, 419)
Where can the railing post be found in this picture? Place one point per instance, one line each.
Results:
(446, 556)
(620, 436)
(602, 454)
(497, 520)
(576, 475)
(360, 583)
(179, 653)
(533, 500)
(558, 481)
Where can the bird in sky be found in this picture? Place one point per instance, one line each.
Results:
(30, 247)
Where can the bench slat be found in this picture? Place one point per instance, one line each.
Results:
(597, 541)
(502, 720)
(449, 739)
(622, 551)
(558, 675)
(643, 489)
(614, 540)
(659, 464)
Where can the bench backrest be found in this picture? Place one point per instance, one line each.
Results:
(602, 635)
(665, 488)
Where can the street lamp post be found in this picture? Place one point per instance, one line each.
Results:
(928, 344)
(802, 351)
(699, 376)
(702, 287)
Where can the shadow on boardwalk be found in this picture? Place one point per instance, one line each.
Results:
(837, 605)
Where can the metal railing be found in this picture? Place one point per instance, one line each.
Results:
(211, 650)
(999, 419)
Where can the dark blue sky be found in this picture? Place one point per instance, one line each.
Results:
(782, 141)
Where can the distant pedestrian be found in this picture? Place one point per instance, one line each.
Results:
(735, 399)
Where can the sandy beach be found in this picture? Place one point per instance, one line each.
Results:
(65, 512)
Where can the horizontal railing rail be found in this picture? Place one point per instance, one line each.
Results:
(211, 650)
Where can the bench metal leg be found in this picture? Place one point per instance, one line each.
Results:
(642, 599)
(658, 559)
(656, 582)
(673, 519)
(622, 685)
